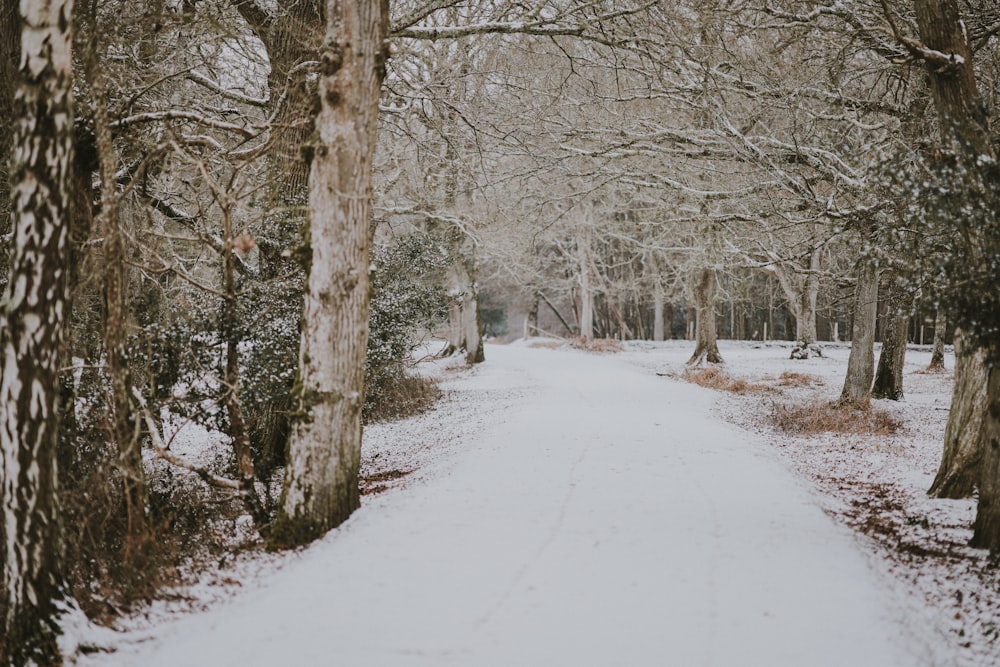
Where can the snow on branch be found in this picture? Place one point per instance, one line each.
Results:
(943, 61)
(161, 450)
(516, 27)
(234, 95)
(177, 114)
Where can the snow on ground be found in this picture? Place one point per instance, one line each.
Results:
(876, 485)
(564, 508)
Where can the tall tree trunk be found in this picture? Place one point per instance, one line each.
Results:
(861, 362)
(707, 347)
(958, 474)
(10, 46)
(292, 33)
(986, 531)
(889, 374)
(965, 128)
(321, 478)
(31, 335)
(937, 352)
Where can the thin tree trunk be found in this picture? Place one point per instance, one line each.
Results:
(958, 474)
(234, 408)
(32, 332)
(707, 348)
(124, 422)
(321, 479)
(531, 321)
(889, 374)
(658, 312)
(861, 362)
(937, 353)
(805, 319)
(586, 290)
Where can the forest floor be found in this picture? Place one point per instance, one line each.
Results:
(566, 508)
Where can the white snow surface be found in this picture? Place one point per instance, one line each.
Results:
(570, 509)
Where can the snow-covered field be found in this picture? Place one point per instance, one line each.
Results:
(565, 508)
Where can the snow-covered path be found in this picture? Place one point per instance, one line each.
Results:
(606, 519)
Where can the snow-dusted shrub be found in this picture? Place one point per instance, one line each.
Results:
(408, 298)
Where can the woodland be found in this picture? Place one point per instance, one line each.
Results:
(247, 214)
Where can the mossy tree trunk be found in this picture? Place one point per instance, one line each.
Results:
(986, 531)
(321, 478)
(965, 129)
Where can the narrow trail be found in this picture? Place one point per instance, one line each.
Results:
(607, 520)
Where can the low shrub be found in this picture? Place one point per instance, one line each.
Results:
(597, 345)
(834, 417)
(716, 378)
(793, 379)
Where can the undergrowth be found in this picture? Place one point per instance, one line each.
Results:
(597, 345)
(793, 379)
(718, 379)
(834, 417)
(402, 396)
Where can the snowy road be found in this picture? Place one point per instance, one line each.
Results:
(607, 519)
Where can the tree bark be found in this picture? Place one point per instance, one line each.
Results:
(986, 531)
(10, 45)
(321, 479)
(805, 320)
(707, 347)
(658, 312)
(958, 474)
(937, 353)
(586, 289)
(889, 374)
(965, 129)
(33, 329)
(861, 362)
(465, 331)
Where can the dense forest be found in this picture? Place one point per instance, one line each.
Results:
(247, 215)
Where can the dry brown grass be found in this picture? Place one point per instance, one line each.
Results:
(401, 397)
(835, 417)
(792, 379)
(546, 344)
(597, 345)
(716, 378)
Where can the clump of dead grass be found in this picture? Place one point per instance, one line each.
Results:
(597, 345)
(716, 378)
(546, 344)
(793, 379)
(834, 417)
